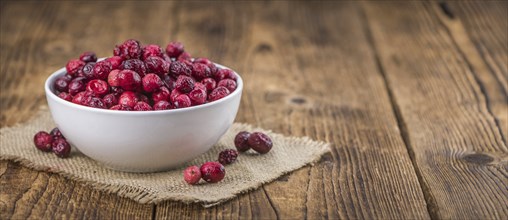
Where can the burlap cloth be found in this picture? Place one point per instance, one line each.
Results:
(249, 172)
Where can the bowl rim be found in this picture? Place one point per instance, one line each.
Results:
(51, 95)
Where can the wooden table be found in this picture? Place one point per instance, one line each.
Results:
(413, 96)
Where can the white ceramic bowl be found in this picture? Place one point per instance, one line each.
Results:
(136, 141)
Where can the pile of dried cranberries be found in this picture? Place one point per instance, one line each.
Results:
(144, 78)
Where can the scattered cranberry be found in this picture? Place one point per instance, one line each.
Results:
(61, 148)
(228, 83)
(115, 61)
(184, 84)
(98, 87)
(179, 68)
(88, 57)
(182, 101)
(142, 106)
(151, 50)
(242, 141)
(218, 93)
(174, 49)
(135, 65)
(151, 82)
(55, 133)
(128, 98)
(102, 69)
(110, 100)
(161, 105)
(77, 85)
(65, 96)
(73, 66)
(260, 142)
(129, 80)
(156, 65)
(121, 108)
(228, 156)
(212, 172)
(43, 141)
(209, 83)
(192, 175)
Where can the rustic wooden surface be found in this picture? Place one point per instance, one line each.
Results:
(413, 97)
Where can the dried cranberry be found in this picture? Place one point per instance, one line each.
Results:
(185, 56)
(218, 93)
(121, 108)
(101, 70)
(110, 100)
(184, 84)
(199, 86)
(55, 133)
(157, 65)
(174, 49)
(88, 56)
(95, 102)
(161, 95)
(62, 84)
(87, 70)
(192, 175)
(224, 74)
(200, 71)
(130, 49)
(73, 66)
(260, 142)
(161, 105)
(227, 156)
(113, 78)
(203, 61)
(197, 96)
(43, 141)
(142, 106)
(82, 98)
(174, 93)
(61, 148)
(212, 172)
(209, 83)
(179, 68)
(228, 83)
(129, 80)
(144, 98)
(166, 58)
(115, 61)
(169, 82)
(117, 91)
(77, 85)
(182, 101)
(151, 82)
(128, 98)
(151, 50)
(242, 141)
(135, 65)
(98, 87)
(65, 96)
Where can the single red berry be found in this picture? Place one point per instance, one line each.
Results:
(209, 83)
(102, 69)
(242, 141)
(128, 98)
(135, 65)
(228, 83)
(200, 71)
(142, 106)
(218, 93)
(161, 105)
(151, 50)
(88, 56)
(129, 80)
(228, 156)
(156, 65)
(130, 49)
(184, 84)
(82, 98)
(98, 87)
(198, 96)
(110, 100)
(174, 49)
(95, 102)
(61, 148)
(77, 85)
(151, 82)
(260, 142)
(87, 71)
(43, 141)
(121, 108)
(55, 133)
(212, 172)
(185, 56)
(115, 61)
(203, 61)
(192, 175)
(182, 101)
(174, 93)
(224, 74)
(179, 68)
(62, 84)
(113, 78)
(161, 95)
(73, 66)
(65, 96)
(169, 82)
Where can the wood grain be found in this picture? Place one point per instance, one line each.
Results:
(308, 75)
(456, 145)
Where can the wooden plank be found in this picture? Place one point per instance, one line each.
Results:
(308, 70)
(455, 143)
